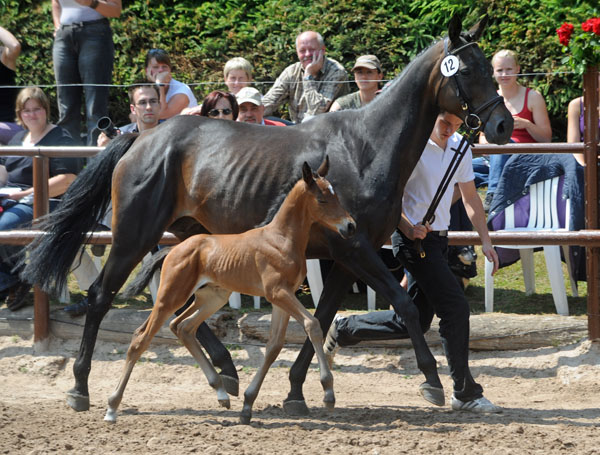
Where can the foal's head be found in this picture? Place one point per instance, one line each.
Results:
(324, 205)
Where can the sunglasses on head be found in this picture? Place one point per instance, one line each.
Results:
(216, 112)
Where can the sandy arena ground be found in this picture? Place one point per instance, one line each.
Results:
(551, 399)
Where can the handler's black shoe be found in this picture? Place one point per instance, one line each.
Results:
(77, 309)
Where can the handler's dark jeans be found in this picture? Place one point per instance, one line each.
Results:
(433, 288)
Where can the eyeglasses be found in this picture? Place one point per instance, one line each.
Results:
(216, 112)
(144, 103)
(37, 110)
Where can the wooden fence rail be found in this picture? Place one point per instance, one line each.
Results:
(41, 155)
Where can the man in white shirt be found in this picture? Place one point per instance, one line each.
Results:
(431, 283)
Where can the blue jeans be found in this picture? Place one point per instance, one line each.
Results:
(481, 169)
(497, 163)
(18, 216)
(83, 53)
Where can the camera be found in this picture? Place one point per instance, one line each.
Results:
(106, 125)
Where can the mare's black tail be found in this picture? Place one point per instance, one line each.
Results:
(143, 277)
(67, 227)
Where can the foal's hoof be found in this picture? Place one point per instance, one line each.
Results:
(78, 401)
(231, 384)
(295, 408)
(435, 395)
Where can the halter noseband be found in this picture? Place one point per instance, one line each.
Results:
(472, 120)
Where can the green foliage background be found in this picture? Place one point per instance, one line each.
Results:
(202, 36)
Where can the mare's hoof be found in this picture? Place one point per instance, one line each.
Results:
(435, 395)
(245, 418)
(78, 401)
(232, 385)
(295, 408)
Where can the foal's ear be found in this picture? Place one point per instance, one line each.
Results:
(307, 174)
(454, 28)
(477, 30)
(324, 167)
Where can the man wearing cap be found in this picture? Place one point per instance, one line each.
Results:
(310, 85)
(251, 108)
(367, 74)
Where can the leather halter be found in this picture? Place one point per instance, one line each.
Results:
(474, 123)
(472, 120)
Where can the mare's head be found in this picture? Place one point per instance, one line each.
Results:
(324, 205)
(467, 89)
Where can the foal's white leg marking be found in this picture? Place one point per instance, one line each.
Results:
(139, 343)
(209, 299)
(279, 323)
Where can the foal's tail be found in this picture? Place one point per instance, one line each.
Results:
(67, 227)
(143, 277)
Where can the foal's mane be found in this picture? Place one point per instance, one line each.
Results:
(278, 201)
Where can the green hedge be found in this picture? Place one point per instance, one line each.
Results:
(202, 36)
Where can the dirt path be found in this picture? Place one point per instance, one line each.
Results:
(550, 395)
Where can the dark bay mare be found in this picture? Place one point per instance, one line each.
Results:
(191, 175)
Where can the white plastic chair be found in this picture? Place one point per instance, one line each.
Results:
(543, 215)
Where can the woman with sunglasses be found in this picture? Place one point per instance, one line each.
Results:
(219, 104)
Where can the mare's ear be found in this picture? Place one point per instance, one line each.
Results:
(477, 30)
(324, 167)
(307, 174)
(454, 28)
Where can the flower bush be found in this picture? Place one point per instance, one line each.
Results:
(582, 44)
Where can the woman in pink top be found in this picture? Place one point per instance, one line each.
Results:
(527, 107)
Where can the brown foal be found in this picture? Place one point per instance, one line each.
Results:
(268, 261)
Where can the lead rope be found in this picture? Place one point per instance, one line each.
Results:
(459, 153)
(474, 124)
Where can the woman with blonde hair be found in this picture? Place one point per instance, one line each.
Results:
(16, 179)
(238, 74)
(527, 106)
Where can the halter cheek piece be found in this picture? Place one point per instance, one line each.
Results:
(473, 122)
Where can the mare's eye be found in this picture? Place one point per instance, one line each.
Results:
(465, 72)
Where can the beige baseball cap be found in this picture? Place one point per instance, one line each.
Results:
(249, 95)
(367, 61)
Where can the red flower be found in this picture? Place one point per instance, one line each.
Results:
(565, 31)
(592, 25)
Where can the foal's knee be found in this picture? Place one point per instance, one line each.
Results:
(313, 329)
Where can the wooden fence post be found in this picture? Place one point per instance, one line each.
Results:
(41, 303)
(592, 221)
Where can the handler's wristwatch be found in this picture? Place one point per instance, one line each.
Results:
(309, 77)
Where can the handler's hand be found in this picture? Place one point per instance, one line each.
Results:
(418, 231)
(491, 255)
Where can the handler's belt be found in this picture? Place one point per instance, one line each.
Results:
(443, 233)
